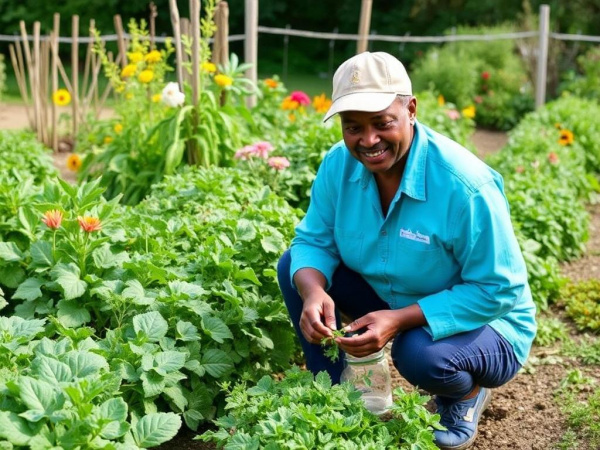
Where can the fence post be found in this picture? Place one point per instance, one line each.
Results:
(364, 25)
(251, 45)
(542, 57)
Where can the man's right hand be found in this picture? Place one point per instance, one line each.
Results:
(318, 317)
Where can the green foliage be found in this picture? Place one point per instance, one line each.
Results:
(24, 157)
(302, 411)
(583, 416)
(332, 350)
(582, 304)
(486, 74)
(586, 83)
(586, 349)
(550, 330)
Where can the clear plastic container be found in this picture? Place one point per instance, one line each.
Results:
(371, 375)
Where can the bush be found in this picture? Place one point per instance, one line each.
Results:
(586, 83)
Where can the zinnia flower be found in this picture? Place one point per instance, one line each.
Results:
(135, 57)
(262, 149)
(288, 103)
(53, 218)
(453, 114)
(128, 70)
(244, 153)
(469, 112)
(566, 137)
(171, 96)
(321, 103)
(278, 162)
(270, 82)
(553, 158)
(146, 76)
(89, 224)
(153, 57)
(223, 80)
(441, 100)
(209, 67)
(118, 128)
(73, 162)
(61, 97)
(300, 97)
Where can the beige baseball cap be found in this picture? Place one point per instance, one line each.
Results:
(368, 82)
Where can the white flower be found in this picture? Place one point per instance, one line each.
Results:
(171, 96)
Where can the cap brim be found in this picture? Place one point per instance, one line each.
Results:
(361, 101)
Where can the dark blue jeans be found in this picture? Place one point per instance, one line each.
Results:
(450, 367)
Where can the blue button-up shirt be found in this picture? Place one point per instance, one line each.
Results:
(447, 242)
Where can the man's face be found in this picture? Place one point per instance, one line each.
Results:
(381, 139)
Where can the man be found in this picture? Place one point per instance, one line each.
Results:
(409, 235)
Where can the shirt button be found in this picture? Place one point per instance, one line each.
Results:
(384, 233)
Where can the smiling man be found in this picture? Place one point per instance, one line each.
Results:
(409, 235)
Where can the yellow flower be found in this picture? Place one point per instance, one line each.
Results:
(118, 128)
(128, 96)
(61, 97)
(89, 224)
(209, 67)
(292, 117)
(135, 57)
(558, 126)
(146, 76)
(223, 80)
(288, 103)
(108, 139)
(270, 82)
(566, 137)
(156, 98)
(73, 162)
(469, 112)
(441, 100)
(120, 88)
(128, 70)
(153, 57)
(321, 103)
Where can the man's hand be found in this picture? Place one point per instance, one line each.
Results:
(318, 317)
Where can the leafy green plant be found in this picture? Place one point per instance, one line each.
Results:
(302, 411)
(332, 350)
(586, 349)
(582, 304)
(583, 414)
(586, 83)
(549, 331)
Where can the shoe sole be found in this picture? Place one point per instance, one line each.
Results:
(486, 402)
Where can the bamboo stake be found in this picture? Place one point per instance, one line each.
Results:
(44, 72)
(27, 52)
(107, 89)
(21, 82)
(122, 44)
(186, 57)
(221, 42)
(54, 50)
(195, 23)
(153, 15)
(88, 60)
(75, 73)
(36, 80)
(364, 26)
(177, 39)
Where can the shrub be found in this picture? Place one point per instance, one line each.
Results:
(586, 83)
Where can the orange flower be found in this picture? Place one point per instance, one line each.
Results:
(89, 224)
(553, 158)
(441, 100)
(270, 82)
(52, 218)
(288, 104)
(566, 137)
(223, 80)
(321, 103)
(73, 162)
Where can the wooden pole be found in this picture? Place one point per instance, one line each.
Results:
(153, 14)
(186, 58)
(29, 69)
(177, 43)
(542, 60)
(88, 62)
(221, 42)
(251, 45)
(44, 73)
(75, 73)
(121, 39)
(54, 50)
(37, 106)
(193, 156)
(364, 26)
(21, 81)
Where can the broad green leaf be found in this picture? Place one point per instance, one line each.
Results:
(152, 324)
(83, 364)
(154, 429)
(248, 274)
(15, 429)
(12, 275)
(41, 254)
(38, 395)
(67, 276)
(29, 289)
(167, 362)
(183, 287)
(244, 230)
(152, 383)
(51, 370)
(175, 394)
(71, 314)
(105, 259)
(271, 244)
(22, 329)
(216, 362)
(186, 331)
(216, 329)
(10, 252)
(113, 414)
(136, 292)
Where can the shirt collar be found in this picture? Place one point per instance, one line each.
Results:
(413, 180)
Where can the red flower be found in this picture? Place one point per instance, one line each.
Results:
(553, 158)
(53, 218)
(300, 97)
(485, 75)
(89, 224)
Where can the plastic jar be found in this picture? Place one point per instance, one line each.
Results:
(371, 376)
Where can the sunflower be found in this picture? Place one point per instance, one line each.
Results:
(61, 97)
(73, 162)
(566, 137)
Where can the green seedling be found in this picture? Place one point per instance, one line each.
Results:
(333, 350)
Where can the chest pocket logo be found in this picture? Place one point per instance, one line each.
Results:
(418, 237)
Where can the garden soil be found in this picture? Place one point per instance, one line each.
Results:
(524, 413)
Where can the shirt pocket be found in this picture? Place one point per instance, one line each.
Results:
(419, 268)
(350, 246)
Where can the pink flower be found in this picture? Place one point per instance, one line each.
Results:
(553, 158)
(278, 162)
(53, 218)
(244, 153)
(89, 224)
(478, 99)
(262, 149)
(485, 75)
(453, 114)
(300, 97)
